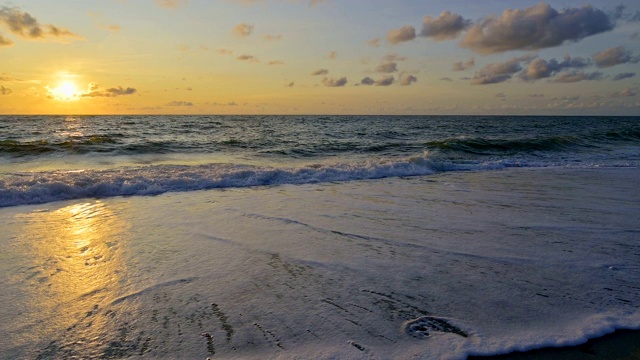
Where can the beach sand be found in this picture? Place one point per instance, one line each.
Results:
(424, 267)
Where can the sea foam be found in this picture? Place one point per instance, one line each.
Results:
(24, 188)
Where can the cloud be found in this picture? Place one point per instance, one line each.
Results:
(535, 69)
(385, 81)
(331, 82)
(93, 90)
(446, 79)
(461, 66)
(291, 84)
(367, 81)
(575, 76)
(315, 2)
(628, 92)
(242, 30)
(501, 95)
(374, 42)
(320, 72)
(446, 26)
(5, 91)
(275, 62)
(24, 25)
(5, 42)
(621, 13)
(407, 79)
(112, 27)
(180, 103)
(12, 79)
(273, 37)
(230, 103)
(536, 95)
(117, 91)
(499, 72)
(624, 75)
(394, 57)
(614, 56)
(387, 67)
(540, 68)
(405, 33)
(224, 52)
(534, 28)
(171, 4)
(248, 58)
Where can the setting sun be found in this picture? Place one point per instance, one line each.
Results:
(65, 91)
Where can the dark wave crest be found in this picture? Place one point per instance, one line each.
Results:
(558, 143)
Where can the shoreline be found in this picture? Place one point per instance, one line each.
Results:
(620, 344)
(331, 270)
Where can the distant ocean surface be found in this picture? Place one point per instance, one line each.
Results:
(49, 158)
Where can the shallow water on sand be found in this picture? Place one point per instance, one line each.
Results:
(436, 267)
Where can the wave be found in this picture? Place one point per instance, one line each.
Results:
(28, 188)
(82, 145)
(554, 143)
(478, 146)
(42, 187)
(312, 138)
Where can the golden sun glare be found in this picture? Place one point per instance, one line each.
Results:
(65, 91)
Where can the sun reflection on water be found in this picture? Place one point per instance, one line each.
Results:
(77, 266)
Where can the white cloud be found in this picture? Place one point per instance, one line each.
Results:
(407, 79)
(405, 33)
(444, 27)
(331, 82)
(614, 56)
(24, 25)
(461, 66)
(536, 27)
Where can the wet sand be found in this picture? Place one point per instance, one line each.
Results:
(426, 267)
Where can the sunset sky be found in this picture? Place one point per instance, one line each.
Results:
(319, 57)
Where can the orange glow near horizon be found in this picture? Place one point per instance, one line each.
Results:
(253, 57)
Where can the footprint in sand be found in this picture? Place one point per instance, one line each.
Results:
(425, 326)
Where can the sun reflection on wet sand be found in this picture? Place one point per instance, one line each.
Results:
(70, 267)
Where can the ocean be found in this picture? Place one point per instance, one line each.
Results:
(315, 236)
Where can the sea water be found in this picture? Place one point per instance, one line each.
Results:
(316, 237)
(48, 158)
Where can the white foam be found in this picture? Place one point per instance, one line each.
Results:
(21, 188)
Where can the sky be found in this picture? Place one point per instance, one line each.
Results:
(320, 57)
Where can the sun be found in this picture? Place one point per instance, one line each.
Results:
(65, 91)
